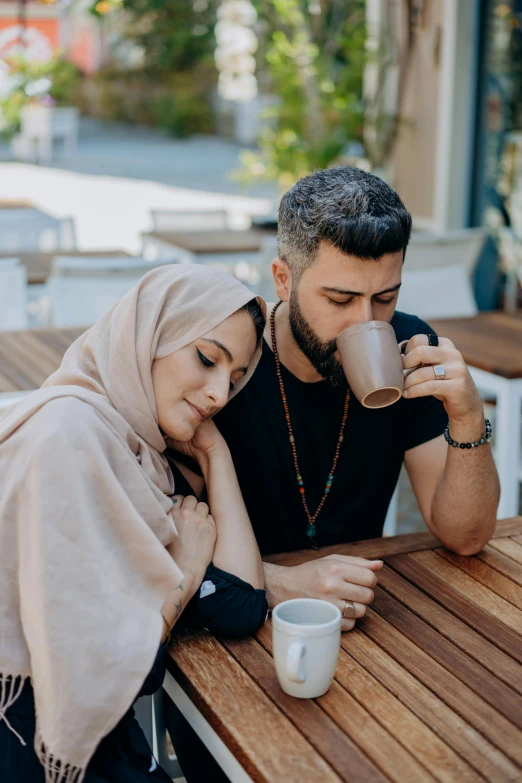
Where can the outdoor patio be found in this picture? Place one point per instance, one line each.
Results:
(137, 144)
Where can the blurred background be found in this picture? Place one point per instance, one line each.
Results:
(141, 132)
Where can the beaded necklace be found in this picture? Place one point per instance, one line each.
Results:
(311, 518)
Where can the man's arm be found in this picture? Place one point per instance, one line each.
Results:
(457, 489)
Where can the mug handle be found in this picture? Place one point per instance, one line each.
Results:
(294, 656)
(405, 373)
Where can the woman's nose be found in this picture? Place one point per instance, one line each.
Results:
(218, 393)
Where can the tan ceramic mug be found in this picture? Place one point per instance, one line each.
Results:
(372, 363)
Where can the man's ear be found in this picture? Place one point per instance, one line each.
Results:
(282, 279)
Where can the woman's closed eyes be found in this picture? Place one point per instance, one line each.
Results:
(208, 363)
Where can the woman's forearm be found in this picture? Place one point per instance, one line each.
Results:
(236, 549)
(176, 602)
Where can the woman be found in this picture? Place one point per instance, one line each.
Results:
(98, 557)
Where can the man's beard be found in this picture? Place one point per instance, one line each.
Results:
(321, 355)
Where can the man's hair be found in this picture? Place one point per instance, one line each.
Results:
(354, 211)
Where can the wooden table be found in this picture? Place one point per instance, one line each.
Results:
(223, 241)
(16, 203)
(27, 358)
(491, 344)
(205, 246)
(428, 686)
(38, 264)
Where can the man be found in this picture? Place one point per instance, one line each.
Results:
(299, 442)
(342, 239)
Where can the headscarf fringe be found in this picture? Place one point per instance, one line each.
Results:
(56, 771)
(10, 690)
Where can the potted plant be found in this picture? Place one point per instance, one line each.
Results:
(38, 101)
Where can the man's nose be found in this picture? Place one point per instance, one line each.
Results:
(361, 311)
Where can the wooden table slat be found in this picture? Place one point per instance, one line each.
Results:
(38, 264)
(219, 241)
(338, 749)
(16, 203)
(452, 628)
(487, 576)
(438, 759)
(489, 341)
(489, 689)
(428, 685)
(7, 384)
(510, 547)
(395, 675)
(384, 547)
(19, 379)
(502, 563)
(26, 357)
(482, 596)
(38, 351)
(445, 594)
(462, 700)
(249, 720)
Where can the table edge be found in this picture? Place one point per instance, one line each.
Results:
(384, 547)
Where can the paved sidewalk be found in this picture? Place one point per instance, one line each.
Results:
(120, 173)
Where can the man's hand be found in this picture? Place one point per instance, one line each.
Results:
(457, 390)
(336, 578)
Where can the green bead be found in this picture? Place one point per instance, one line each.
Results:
(310, 531)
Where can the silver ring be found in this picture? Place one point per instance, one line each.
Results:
(351, 606)
(439, 372)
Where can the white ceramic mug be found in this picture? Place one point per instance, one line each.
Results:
(306, 636)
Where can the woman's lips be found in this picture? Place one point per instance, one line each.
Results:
(198, 412)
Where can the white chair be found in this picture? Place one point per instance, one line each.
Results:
(31, 229)
(40, 127)
(165, 220)
(82, 289)
(149, 712)
(5, 263)
(428, 250)
(442, 292)
(13, 295)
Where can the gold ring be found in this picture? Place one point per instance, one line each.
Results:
(349, 605)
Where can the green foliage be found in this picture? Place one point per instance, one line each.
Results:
(174, 35)
(171, 88)
(315, 62)
(54, 82)
(177, 103)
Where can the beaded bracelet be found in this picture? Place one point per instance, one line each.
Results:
(484, 439)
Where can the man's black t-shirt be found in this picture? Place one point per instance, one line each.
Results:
(370, 459)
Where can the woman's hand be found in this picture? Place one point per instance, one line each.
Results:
(207, 440)
(193, 549)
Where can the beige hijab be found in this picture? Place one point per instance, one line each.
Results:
(85, 516)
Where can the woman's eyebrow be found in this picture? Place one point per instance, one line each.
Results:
(225, 350)
(228, 355)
